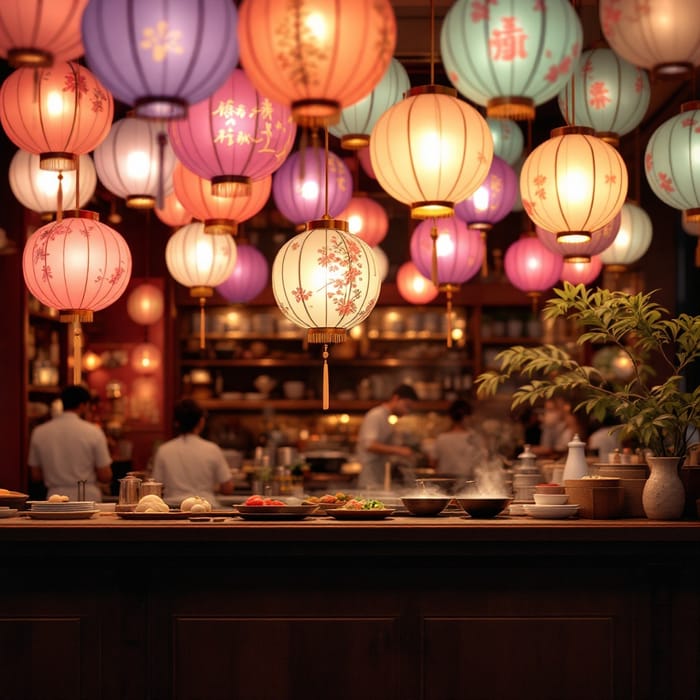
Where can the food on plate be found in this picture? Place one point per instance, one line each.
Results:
(364, 504)
(257, 500)
(151, 504)
(195, 504)
(339, 497)
(58, 498)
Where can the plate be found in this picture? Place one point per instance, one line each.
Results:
(60, 515)
(303, 509)
(170, 515)
(349, 514)
(8, 512)
(272, 516)
(325, 506)
(566, 510)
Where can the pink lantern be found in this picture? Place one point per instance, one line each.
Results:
(366, 218)
(581, 272)
(234, 136)
(145, 358)
(58, 112)
(366, 162)
(249, 276)
(219, 214)
(532, 267)
(413, 286)
(173, 213)
(581, 252)
(145, 304)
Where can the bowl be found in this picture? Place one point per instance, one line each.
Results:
(550, 499)
(294, 390)
(549, 488)
(483, 507)
(425, 505)
(13, 499)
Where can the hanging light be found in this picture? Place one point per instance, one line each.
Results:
(233, 136)
(37, 33)
(531, 267)
(91, 361)
(161, 55)
(579, 272)
(632, 241)
(414, 287)
(145, 304)
(507, 139)
(672, 161)
(249, 277)
(58, 112)
(573, 183)
(607, 94)
(221, 215)
(581, 252)
(662, 36)
(38, 190)
(318, 56)
(366, 218)
(510, 56)
(382, 262)
(366, 162)
(172, 213)
(357, 120)
(146, 358)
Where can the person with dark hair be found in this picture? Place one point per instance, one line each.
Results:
(376, 440)
(68, 449)
(460, 449)
(188, 465)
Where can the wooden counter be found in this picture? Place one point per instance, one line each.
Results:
(400, 609)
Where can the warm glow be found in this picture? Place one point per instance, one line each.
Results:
(54, 104)
(204, 254)
(392, 419)
(316, 23)
(136, 163)
(145, 358)
(355, 223)
(481, 199)
(344, 418)
(309, 189)
(444, 245)
(91, 361)
(145, 304)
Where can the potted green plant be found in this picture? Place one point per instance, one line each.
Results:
(662, 415)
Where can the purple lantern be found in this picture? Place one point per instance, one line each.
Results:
(161, 55)
(600, 240)
(494, 199)
(249, 276)
(532, 267)
(298, 187)
(234, 136)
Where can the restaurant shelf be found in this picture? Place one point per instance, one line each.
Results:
(336, 405)
(312, 362)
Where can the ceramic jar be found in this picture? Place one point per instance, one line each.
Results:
(576, 466)
(663, 497)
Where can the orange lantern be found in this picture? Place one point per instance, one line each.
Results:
(173, 213)
(413, 286)
(145, 304)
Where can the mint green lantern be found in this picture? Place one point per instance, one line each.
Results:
(507, 139)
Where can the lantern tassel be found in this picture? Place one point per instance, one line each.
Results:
(697, 254)
(77, 349)
(434, 260)
(59, 198)
(160, 195)
(325, 378)
(202, 323)
(485, 261)
(449, 318)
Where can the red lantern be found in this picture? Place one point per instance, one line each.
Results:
(366, 219)
(581, 272)
(413, 286)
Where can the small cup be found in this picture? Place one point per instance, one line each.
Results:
(550, 499)
(549, 488)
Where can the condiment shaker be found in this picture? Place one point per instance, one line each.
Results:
(576, 466)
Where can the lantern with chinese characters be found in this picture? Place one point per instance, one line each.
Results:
(234, 136)
(145, 358)
(161, 55)
(581, 252)
(366, 218)
(59, 112)
(581, 272)
(507, 139)
(221, 215)
(531, 267)
(173, 213)
(414, 287)
(145, 304)
(607, 94)
(510, 56)
(318, 56)
(632, 240)
(249, 276)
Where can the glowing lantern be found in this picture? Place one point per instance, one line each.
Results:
(531, 267)
(38, 190)
(161, 55)
(573, 184)
(692, 228)
(145, 304)
(413, 286)
(632, 241)
(582, 252)
(221, 215)
(507, 139)
(91, 361)
(357, 120)
(145, 358)
(511, 56)
(173, 213)
(609, 95)
(234, 136)
(249, 276)
(318, 56)
(58, 112)
(366, 218)
(579, 272)
(382, 262)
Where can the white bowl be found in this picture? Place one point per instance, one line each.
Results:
(550, 499)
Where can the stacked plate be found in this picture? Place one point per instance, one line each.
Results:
(61, 510)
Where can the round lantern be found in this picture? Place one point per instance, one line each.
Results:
(366, 218)
(145, 304)
(531, 267)
(38, 33)
(173, 213)
(382, 262)
(161, 55)
(431, 150)
(38, 190)
(607, 94)
(58, 112)
(366, 162)
(662, 35)
(413, 286)
(692, 228)
(573, 183)
(145, 358)
(318, 56)
(221, 215)
(234, 136)
(632, 241)
(510, 56)
(581, 272)
(299, 190)
(357, 120)
(91, 361)
(249, 276)
(582, 252)
(134, 161)
(672, 161)
(507, 139)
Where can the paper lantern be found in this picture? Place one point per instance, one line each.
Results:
(221, 215)
(91, 361)
(39, 33)
(135, 161)
(660, 35)
(531, 267)
(430, 151)
(318, 56)
(414, 287)
(507, 139)
(145, 304)
(173, 213)
(581, 272)
(672, 161)
(366, 162)
(382, 262)
(249, 276)
(607, 94)
(582, 252)
(38, 190)
(161, 55)
(145, 358)
(233, 136)
(59, 112)
(366, 218)
(632, 240)
(510, 56)
(298, 187)
(573, 183)
(358, 120)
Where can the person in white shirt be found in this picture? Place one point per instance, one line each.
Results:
(68, 449)
(188, 465)
(460, 450)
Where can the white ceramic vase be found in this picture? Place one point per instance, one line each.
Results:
(663, 497)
